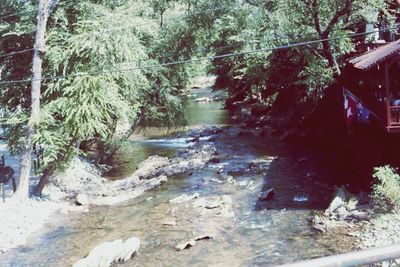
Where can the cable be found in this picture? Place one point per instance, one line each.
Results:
(17, 52)
(13, 14)
(194, 60)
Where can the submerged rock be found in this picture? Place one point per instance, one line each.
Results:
(185, 245)
(184, 198)
(267, 195)
(116, 192)
(205, 131)
(108, 253)
(220, 205)
(190, 243)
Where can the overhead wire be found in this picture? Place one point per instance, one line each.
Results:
(16, 52)
(167, 64)
(14, 14)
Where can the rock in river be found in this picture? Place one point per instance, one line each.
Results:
(108, 253)
(267, 195)
(184, 198)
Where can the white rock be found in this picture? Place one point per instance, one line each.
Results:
(82, 199)
(107, 253)
(130, 247)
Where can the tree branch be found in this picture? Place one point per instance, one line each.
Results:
(342, 12)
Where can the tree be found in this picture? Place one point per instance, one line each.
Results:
(39, 50)
(159, 7)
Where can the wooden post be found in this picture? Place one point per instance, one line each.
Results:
(26, 150)
(387, 85)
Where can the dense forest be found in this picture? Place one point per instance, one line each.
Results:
(111, 66)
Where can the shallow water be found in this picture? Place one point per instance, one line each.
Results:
(262, 232)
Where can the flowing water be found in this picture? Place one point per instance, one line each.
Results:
(261, 233)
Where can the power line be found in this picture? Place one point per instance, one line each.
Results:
(17, 52)
(95, 73)
(14, 14)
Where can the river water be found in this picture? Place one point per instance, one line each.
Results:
(261, 232)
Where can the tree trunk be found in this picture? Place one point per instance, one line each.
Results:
(329, 56)
(22, 192)
(44, 180)
(162, 18)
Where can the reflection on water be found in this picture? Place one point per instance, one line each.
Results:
(256, 236)
(199, 114)
(166, 142)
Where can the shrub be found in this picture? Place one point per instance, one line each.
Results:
(386, 190)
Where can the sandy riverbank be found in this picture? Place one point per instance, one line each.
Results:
(20, 220)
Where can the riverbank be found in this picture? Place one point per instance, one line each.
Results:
(20, 220)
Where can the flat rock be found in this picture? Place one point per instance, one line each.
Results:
(111, 252)
(183, 198)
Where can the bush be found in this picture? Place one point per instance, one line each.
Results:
(386, 190)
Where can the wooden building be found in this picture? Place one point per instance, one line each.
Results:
(372, 81)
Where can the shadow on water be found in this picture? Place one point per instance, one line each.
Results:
(296, 185)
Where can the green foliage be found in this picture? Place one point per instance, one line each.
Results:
(386, 190)
(291, 81)
(91, 37)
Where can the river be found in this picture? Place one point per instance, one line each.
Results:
(261, 232)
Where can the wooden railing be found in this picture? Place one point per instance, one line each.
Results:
(394, 116)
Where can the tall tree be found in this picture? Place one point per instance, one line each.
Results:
(39, 51)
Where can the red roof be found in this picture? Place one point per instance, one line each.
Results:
(372, 58)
